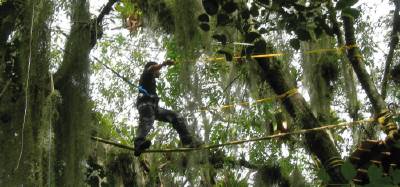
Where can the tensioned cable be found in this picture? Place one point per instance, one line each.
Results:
(270, 55)
(280, 135)
(268, 99)
(263, 100)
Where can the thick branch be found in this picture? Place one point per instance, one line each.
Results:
(378, 103)
(355, 57)
(392, 46)
(105, 11)
(348, 73)
(318, 143)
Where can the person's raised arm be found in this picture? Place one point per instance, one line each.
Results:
(156, 67)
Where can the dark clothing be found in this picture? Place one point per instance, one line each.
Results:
(147, 80)
(147, 85)
(147, 105)
(150, 111)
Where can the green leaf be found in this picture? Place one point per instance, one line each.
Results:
(246, 27)
(228, 56)
(323, 176)
(265, 2)
(220, 38)
(351, 12)
(222, 19)
(348, 171)
(203, 18)
(260, 46)
(245, 14)
(397, 145)
(211, 7)
(345, 3)
(263, 30)
(374, 173)
(248, 50)
(254, 10)
(230, 7)
(303, 34)
(295, 43)
(205, 27)
(251, 36)
(396, 176)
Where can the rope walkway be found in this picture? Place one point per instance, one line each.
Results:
(280, 135)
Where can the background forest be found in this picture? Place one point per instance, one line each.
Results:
(311, 87)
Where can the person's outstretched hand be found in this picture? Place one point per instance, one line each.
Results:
(168, 62)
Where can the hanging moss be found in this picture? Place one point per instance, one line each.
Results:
(157, 15)
(72, 129)
(26, 48)
(320, 74)
(47, 143)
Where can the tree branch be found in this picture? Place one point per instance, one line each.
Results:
(299, 109)
(393, 43)
(378, 103)
(348, 73)
(105, 11)
(355, 57)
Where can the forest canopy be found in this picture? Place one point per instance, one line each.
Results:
(279, 92)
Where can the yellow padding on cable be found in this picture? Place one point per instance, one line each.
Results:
(268, 99)
(281, 54)
(288, 94)
(383, 116)
(253, 56)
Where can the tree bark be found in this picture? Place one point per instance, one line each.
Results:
(377, 101)
(318, 143)
(348, 73)
(72, 129)
(24, 114)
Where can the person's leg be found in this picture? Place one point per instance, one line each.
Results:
(146, 120)
(179, 124)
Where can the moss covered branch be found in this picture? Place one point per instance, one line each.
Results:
(392, 46)
(377, 101)
(318, 143)
(348, 73)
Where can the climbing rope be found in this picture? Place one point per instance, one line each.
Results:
(282, 54)
(280, 135)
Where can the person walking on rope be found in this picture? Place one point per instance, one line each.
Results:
(147, 105)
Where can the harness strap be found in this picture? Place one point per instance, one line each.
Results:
(143, 91)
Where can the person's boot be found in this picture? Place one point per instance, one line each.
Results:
(141, 144)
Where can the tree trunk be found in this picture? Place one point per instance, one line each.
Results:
(72, 80)
(318, 142)
(25, 105)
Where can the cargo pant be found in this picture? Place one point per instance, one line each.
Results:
(150, 111)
